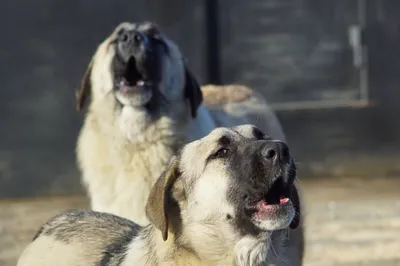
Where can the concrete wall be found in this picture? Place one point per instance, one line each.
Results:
(296, 53)
(292, 51)
(339, 108)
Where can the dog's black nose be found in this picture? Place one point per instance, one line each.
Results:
(133, 43)
(275, 151)
(133, 37)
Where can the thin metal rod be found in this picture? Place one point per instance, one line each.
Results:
(327, 104)
(362, 19)
(213, 60)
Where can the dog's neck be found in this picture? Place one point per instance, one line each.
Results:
(139, 128)
(133, 133)
(175, 251)
(218, 245)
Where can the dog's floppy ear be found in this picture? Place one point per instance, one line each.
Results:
(84, 90)
(192, 92)
(296, 203)
(159, 201)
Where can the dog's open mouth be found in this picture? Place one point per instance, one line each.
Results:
(276, 199)
(133, 80)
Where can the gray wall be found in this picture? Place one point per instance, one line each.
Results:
(340, 114)
(292, 51)
(296, 53)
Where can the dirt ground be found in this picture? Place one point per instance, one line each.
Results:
(349, 222)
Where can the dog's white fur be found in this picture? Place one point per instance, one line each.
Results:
(121, 152)
(194, 228)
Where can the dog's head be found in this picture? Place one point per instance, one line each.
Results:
(141, 68)
(236, 178)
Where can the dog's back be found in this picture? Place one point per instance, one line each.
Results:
(67, 235)
(232, 105)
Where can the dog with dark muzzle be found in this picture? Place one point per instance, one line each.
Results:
(145, 105)
(225, 199)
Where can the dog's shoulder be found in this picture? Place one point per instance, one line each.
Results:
(73, 225)
(234, 99)
(216, 95)
(232, 104)
(98, 238)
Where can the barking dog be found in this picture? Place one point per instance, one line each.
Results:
(218, 203)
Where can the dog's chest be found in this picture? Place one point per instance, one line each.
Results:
(121, 183)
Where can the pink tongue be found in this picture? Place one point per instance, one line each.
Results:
(283, 200)
(264, 204)
(124, 88)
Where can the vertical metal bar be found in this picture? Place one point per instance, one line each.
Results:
(212, 42)
(362, 20)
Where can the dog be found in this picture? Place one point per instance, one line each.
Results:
(145, 105)
(217, 203)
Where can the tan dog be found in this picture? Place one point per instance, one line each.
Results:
(145, 104)
(226, 199)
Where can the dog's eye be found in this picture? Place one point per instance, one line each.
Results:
(221, 153)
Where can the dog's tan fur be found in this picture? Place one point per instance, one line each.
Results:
(187, 208)
(121, 151)
(215, 95)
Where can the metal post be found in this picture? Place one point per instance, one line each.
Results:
(212, 42)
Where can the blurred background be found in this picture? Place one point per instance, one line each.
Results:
(330, 69)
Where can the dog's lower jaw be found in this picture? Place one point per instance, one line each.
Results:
(137, 100)
(278, 223)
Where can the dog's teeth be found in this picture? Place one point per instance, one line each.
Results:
(140, 83)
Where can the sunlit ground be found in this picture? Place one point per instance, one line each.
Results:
(349, 222)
